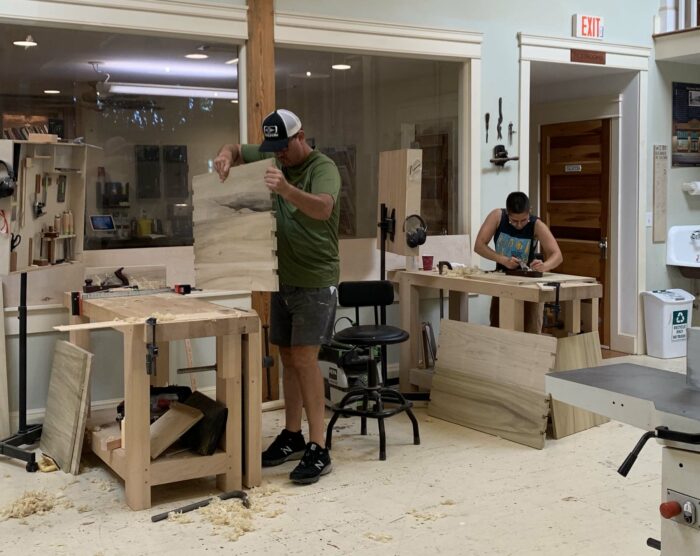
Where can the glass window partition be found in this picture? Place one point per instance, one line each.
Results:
(354, 106)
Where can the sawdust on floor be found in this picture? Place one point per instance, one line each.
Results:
(30, 503)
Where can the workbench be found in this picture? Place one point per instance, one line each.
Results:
(578, 297)
(238, 386)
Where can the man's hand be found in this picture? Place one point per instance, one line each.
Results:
(537, 265)
(223, 163)
(510, 262)
(276, 182)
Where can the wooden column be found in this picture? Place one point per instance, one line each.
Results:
(260, 66)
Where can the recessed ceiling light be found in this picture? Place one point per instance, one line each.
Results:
(234, 101)
(52, 92)
(196, 56)
(26, 43)
(231, 61)
(308, 74)
(341, 67)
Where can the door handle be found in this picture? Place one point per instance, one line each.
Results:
(603, 246)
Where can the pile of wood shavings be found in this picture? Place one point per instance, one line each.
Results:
(379, 537)
(425, 516)
(179, 517)
(233, 520)
(460, 272)
(30, 503)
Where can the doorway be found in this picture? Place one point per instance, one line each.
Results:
(575, 200)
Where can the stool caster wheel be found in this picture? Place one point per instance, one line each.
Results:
(32, 467)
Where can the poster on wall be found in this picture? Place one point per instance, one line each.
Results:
(685, 140)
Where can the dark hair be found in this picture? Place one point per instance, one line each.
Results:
(517, 203)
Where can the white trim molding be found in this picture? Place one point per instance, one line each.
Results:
(374, 38)
(558, 50)
(173, 17)
(683, 47)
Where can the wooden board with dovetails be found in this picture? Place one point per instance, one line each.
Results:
(575, 352)
(492, 380)
(234, 230)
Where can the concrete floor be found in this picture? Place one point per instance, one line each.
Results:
(459, 492)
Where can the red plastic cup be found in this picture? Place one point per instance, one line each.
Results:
(427, 262)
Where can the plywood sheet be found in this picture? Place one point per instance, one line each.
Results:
(66, 405)
(234, 230)
(504, 410)
(506, 356)
(172, 425)
(4, 395)
(575, 352)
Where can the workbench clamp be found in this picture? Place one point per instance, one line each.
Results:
(151, 347)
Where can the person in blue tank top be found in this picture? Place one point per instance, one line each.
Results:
(516, 233)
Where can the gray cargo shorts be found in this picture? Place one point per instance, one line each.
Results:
(302, 316)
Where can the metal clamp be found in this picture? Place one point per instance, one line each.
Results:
(151, 347)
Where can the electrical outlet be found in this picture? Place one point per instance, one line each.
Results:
(650, 219)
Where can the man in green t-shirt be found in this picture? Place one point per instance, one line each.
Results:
(305, 184)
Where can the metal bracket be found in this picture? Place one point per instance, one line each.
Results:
(151, 347)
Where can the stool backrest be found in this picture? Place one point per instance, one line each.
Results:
(369, 293)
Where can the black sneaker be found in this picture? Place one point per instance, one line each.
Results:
(315, 462)
(287, 446)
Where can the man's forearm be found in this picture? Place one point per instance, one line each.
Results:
(319, 207)
(488, 253)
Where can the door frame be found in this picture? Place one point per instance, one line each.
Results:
(535, 48)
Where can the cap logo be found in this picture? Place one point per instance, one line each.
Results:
(270, 131)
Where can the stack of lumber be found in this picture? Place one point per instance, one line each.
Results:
(234, 230)
(492, 380)
(67, 406)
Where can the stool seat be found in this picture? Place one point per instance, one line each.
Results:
(371, 335)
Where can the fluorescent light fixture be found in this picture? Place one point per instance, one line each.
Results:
(26, 43)
(341, 67)
(196, 56)
(231, 61)
(52, 92)
(171, 91)
(234, 100)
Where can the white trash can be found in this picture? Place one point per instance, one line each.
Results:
(667, 315)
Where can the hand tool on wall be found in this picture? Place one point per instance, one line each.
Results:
(196, 505)
(510, 133)
(487, 117)
(500, 118)
(500, 156)
(38, 208)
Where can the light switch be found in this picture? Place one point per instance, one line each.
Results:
(650, 219)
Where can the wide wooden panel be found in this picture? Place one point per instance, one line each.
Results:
(581, 256)
(234, 230)
(572, 187)
(491, 353)
(490, 406)
(575, 352)
(66, 405)
(400, 189)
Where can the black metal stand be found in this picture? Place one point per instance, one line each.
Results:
(26, 435)
(387, 225)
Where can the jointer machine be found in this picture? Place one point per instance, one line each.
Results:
(666, 405)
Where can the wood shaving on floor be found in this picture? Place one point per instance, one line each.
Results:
(83, 509)
(425, 516)
(30, 503)
(379, 537)
(179, 517)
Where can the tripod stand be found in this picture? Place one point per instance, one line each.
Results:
(25, 435)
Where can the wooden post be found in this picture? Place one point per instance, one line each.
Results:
(260, 64)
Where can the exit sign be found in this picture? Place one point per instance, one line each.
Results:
(588, 26)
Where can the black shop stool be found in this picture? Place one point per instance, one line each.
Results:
(377, 294)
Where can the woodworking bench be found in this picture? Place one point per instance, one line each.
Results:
(513, 292)
(238, 386)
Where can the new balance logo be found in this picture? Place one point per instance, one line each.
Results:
(319, 465)
(286, 450)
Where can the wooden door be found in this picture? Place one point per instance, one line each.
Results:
(574, 200)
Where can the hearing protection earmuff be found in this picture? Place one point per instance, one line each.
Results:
(7, 183)
(418, 235)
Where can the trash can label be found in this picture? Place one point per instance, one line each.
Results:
(679, 324)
